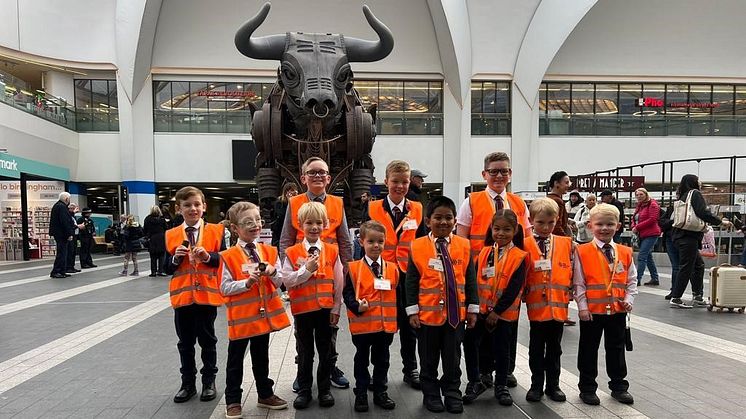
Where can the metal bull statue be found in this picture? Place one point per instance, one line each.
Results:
(313, 109)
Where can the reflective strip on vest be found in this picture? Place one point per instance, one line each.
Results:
(370, 319)
(534, 306)
(256, 317)
(251, 300)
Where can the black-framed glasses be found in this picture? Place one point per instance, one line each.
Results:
(317, 173)
(495, 172)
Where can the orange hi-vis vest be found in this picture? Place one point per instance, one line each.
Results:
(605, 283)
(198, 284)
(318, 291)
(482, 209)
(335, 211)
(548, 290)
(396, 250)
(492, 285)
(432, 297)
(381, 314)
(259, 310)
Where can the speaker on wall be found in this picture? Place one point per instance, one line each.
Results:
(244, 159)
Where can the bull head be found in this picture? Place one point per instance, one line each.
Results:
(314, 70)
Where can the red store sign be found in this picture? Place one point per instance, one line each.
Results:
(592, 183)
(651, 102)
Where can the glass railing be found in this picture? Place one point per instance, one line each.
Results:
(643, 126)
(38, 103)
(490, 124)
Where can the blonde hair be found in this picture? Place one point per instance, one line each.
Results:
(130, 220)
(645, 191)
(312, 211)
(371, 225)
(398, 166)
(604, 209)
(155, 210)
(187, 192)
(495, 156)
(311, 160)
(543, 206)
(235, 211)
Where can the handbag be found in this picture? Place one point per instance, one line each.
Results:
(684, 217)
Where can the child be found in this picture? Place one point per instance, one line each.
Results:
(249, 281)
(442, 281)
(605, 281)
(370, 297)
(193, 261)
(502, 272)
(548, 287)
(313, 274)
(402, 219)
(315, 175)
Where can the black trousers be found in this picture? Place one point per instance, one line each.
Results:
(156, 262)
(259, 366)
(372, 348)
(407, 335)
(86, 247)
(544, 352)
(502, 341)
(612, 329)
(691, 266)
(309, 328)
(474, 339)
(196, 323)
(60, 257)
(435, 344)
(72, 246)
(333, 354)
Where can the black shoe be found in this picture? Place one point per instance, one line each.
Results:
(92, 266)
(361, 402)
(302, 401)
(433, 404)
(184, 394)
(454, 405)
(534, 394)
(503, 396)
(67, 275)
(413, 379)
(72, 271)
(208, 392)
(487, 380)
(383, 401)
(58, 276)
(677, 303)
(668, 296)
(296, 386)
(338, 379)
(623, 397)
(162, 274)
(473, 390)
(652, 283)
(554, 393)
(152, 275)
(511, 381)
(590, 398)
(327, 400)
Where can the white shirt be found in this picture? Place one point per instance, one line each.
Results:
(229, 286)
(464, 216)
(292, 278)
(400, 205)
(370, 261)
(579, 280)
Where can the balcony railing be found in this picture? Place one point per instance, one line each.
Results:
(643, 126)
(44, 106)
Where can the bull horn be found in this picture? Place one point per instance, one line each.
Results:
(360, 50)
(269, 47)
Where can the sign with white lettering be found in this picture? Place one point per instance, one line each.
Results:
(592, 183)
(12, 166)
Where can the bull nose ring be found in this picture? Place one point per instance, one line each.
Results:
(317, 114)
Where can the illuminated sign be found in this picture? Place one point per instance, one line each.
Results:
(651, 102)
(591, 183)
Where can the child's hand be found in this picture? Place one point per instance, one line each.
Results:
(312, 264)
(363, 305)
(201, 254)
(333, 319)
(414, 321)
(181, 251)
(491, 319)
(585, 315)
(471, 320)
(253, 279)
(627, 306)
(269, 270)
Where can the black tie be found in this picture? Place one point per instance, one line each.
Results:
(319, 199)
(542, 245)
(251, 247)
(376, 268)
(499, 202)
(609, 253)
(397, 216)
(190, 235)
(313, 250)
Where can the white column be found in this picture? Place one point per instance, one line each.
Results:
(524, 144)
(456, 145)
(60, 85)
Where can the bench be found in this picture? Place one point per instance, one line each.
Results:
(100, 241)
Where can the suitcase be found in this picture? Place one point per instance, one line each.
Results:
(727, 283)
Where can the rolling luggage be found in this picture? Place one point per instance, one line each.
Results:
(727, 285)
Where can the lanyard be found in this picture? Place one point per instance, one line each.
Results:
(608, 279)
(502, 261)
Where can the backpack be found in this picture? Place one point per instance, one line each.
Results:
(664, 218)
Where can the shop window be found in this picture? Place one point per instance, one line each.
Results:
(490, 108)
(723, 110)
(96, 104)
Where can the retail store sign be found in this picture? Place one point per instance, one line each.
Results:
(651, 102)
(615, 183)
(12, 166)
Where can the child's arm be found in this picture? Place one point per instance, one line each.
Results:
(344, 240)
(631, 291)
(339, 283)
(228, 286)
(277, 278)
(287, 238)
(578, 281)
(512, 290)
(290, 277)
(412, 289)
(348, 294)
(470, 288)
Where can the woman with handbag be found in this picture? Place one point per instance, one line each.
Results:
(690, 216)
(645, 226)
(154, 228)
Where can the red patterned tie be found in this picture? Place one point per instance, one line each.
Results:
(499, 204)
(451, 298)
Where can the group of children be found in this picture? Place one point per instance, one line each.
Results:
(445, 289)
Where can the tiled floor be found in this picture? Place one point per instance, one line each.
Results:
(96, 345)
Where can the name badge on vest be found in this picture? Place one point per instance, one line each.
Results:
(488, 272)
(248, 268)
(410, 225)
(382, 284)
(619, 268)
(435, 263)
(543, 265)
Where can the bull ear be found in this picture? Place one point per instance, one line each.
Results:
(269, 47)
(373, 110)
(360, 50)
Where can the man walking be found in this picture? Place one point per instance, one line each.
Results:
(62, 230)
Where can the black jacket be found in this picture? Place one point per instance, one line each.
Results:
(154, 229)
(131, 236)
(61, 225)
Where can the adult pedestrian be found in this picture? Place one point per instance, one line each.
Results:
(154, 229)
(72, 245)
(607, 197)
(416, 181)
(559, 183)
(691, 265)
(645, 226)
(62, 230)
(364, 200)
(665, 222)
(574, 204)
(584, 233)
(131, 235)
(281, 207)
(87, 234)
